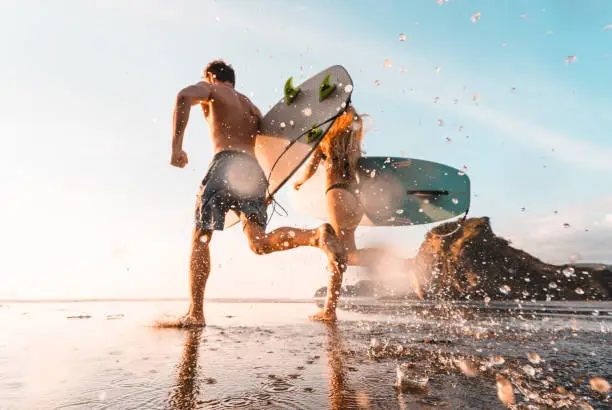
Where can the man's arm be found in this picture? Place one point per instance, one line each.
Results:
(188, 96)
(311, 168)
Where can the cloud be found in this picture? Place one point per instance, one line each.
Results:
(581, 231)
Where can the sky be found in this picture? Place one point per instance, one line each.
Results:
(91, 208)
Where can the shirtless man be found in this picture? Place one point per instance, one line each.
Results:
(234, 182)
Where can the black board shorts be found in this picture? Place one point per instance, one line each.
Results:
(234, 182)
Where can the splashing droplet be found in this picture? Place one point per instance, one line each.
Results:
(399, 211)
(568, 272)
(467, 368)
(455, 201)
(402, 37)
(377, 83)
(348, 88)
(475, 17)
(505, 289)
(307, 112)
(579, 291)
(529, 370)
(570, 59)
(534, 358)
(599, 384)
(498, 360)
(440, 123)
(283, 125)
(388, 63)
(552, 285)
(505, 393)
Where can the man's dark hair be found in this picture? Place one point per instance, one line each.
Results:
(221, 71)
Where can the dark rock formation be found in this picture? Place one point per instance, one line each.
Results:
(469, 261)
(363, 288)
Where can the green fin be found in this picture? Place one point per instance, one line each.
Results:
(290, 92)
(314, 134)
(325, 89)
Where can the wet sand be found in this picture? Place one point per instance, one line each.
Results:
(269, 355)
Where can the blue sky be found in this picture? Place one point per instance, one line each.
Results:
(91, 207)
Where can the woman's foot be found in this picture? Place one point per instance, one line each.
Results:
(188, 321)
(323, 316)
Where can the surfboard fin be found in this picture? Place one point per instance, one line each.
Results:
(314, 134)
(325, 89)
(290, 92)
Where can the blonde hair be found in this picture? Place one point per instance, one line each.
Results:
(342, 143)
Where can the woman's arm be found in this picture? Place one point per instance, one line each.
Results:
(311, 168)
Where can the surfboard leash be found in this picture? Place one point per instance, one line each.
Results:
(459, 225)
(296, 139)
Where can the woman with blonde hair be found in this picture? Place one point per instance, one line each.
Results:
(340, 151)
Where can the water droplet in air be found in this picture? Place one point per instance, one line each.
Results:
(399, 211)
(377, 83)
(505, 289)
(534, 358)
(307, 111)
(552, 285)
(440, 123)
(475, 17)
(375, 343)
(568, 272)
(402, 37)
(421, 210)
(505, 392)
(570, 59)
(455, 201)
(436, 100)
(437, 69)
(388, 63)
(530, 371)
(282, 125)
(523, 16)
(599, 384)
(579, 291)
(348, 88)
(467, 368)
(487, 300)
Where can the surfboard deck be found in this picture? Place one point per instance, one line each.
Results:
(284, 143)
(395, 191)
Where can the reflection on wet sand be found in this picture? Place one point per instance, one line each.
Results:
(187, 390)
(341, 395)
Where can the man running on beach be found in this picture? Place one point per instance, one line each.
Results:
(234, 182)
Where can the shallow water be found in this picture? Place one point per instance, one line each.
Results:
(268, 355)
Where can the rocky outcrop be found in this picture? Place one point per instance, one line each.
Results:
(363, 288)
(470, 261)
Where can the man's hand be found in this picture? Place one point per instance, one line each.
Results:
(179, 159)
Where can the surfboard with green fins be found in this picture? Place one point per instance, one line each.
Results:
(294, 127)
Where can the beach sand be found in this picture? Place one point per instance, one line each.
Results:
(98, 355)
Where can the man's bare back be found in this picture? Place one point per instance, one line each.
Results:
(232, 118)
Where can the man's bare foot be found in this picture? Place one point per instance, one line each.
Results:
(331, 245)
(187, 321)
(323, 316)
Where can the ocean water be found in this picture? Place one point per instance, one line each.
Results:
(263, 354)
